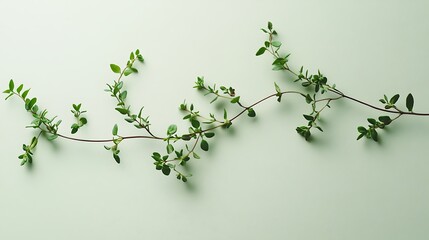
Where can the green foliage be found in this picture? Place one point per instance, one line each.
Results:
(410, 102)
(115, 68)
(180, 148)
(80, 121)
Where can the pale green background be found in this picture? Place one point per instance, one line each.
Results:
(261, 180)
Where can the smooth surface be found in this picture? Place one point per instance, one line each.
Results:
(261, 180)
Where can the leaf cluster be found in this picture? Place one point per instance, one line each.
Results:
(80, 121)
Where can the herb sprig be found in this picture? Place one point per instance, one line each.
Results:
(182, 146)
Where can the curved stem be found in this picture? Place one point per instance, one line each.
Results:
(106, 140)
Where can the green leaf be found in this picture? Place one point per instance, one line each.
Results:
(235, 100)
(270, 26)
(166, 170)
(83, 121)
(117, 158)
(362, 130)
(195, 123)
(225, 114)
(261, 51)
(140, 58)
(123, 95)
(209, 134)
(278, 67)
(186, 137)
(374, 134)
(115, 68)
(308, 117)
(128, 71)
(31, 103)
(25, 93)
(267, 44)
(251, 112)
(115, 130)
(123, 111)
(19, 89)
(33, 143)
(204, 145)
(360, 136)
(410, 102)
(385, 119)
(372, 121)
(170, 148)
(11, 85)
(277, 88)
(172, 129)
(308, 98)
(276, 44)
(195, 155)
(74, 130)
(394, 99)
(52, 137)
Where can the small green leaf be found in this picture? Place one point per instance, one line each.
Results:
(19, 89)
(225, 114)
(128, 71)
(33, 143)
(308, 117)
(209, 134)
(83, 121)
(270, 26)
(115, 68)
(394, 99)
(251, 112)
(74, 130)
(362, 130)
(204, 145)
(123, 111)
(410, 102)
(115, 130)
(276, 44)
(170, 148)
(117, 158)
(235, 100)
(140, 58)
(267, 44)
(385, 119)
(261, 51)
(278, 67)
(195, 155)
(31, 103)
(52, 137)
(277, 88)
(25, 93)
(172, 129)
(372, 121)
(374, 134)
(11, 85)
(166, 170)
(123, 95)
(308, 98)
(195, 123)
